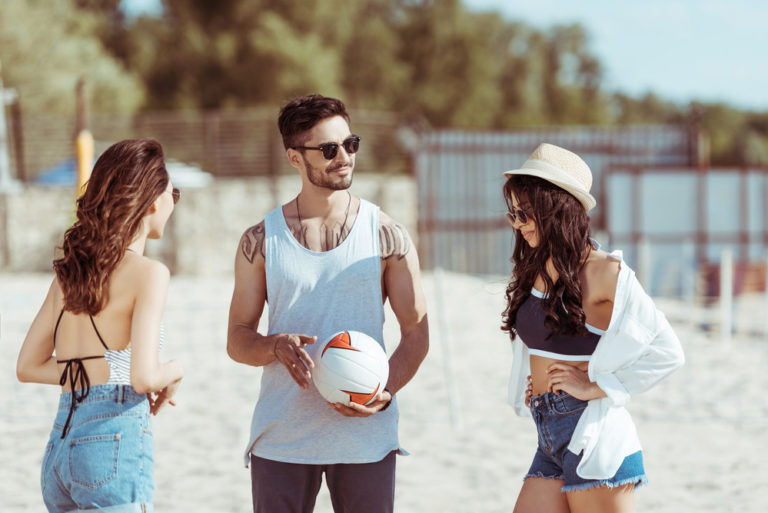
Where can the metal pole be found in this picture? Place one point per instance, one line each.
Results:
(644, 264)
(726, 296)
(443, 337)
(17, 131)
(84, 146)
(689, 279)
(7, 183)
(765, 299)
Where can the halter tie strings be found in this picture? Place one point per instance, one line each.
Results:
(75, 373)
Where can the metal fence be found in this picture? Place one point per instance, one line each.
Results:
(225, 143)
(675, 223)
(461, 210)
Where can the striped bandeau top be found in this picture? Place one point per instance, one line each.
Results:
(76, 376)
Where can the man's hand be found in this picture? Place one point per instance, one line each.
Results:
(289, 350)
(360, 410)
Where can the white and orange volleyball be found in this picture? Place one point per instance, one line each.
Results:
(350, 367)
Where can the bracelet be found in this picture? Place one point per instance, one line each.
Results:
(388, 402)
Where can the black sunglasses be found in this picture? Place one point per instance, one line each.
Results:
(176, 193)
(518, 215)
(330, 150)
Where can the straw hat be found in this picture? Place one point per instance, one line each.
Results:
(562, 168)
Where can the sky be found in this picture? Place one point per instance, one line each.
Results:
(682, 50)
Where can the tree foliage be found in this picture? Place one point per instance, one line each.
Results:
(431, 61)
(47, 45)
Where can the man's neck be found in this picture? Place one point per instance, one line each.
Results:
(330, 224)
(322, 204)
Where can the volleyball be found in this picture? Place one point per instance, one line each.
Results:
(351, 367)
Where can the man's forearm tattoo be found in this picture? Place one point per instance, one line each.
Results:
(253, 242)
(394, 240)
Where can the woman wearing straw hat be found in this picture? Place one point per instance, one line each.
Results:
(585, 338)
(102, 317)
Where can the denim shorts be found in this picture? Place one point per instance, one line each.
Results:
(556, 417)
(105, 461)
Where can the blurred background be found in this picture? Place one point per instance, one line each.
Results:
(666, 100)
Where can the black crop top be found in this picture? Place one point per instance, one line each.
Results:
(542, 342)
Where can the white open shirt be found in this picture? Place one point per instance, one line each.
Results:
(637, 351)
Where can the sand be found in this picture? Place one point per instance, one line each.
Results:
(704, 430)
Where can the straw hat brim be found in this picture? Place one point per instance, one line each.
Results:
(558, 177)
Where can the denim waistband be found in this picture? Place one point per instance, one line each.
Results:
(116, 393)
(551, 401)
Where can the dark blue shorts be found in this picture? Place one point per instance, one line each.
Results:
(556, 417)
(292, 487)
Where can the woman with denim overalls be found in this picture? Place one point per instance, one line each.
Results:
(585, 337)
(97, 335)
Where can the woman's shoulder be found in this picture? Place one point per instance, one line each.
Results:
(602, 272)
(138, 270)
(55, 294)
(135, 260)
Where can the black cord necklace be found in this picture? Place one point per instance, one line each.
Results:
(346, 216)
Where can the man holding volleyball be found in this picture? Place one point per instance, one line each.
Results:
(325, 261)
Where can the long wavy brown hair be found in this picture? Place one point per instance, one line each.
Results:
(126, 179)
(563, 230)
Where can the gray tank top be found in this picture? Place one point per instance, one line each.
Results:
(320, 293)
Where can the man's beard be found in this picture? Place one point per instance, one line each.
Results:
(322, 178)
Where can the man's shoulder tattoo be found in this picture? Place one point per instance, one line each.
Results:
(393, 240)
(253, 242)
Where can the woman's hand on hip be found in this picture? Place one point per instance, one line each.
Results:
(562, 377)
(528, 391)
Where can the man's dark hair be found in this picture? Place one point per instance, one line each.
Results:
(301, 114)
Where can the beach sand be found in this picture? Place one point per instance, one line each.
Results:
(704, 430)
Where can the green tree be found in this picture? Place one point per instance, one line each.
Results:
(428, 60)
(452, 79)
(240, 52)
(374, 76)
(571, 77)
(647, 109)
(46, 46)
(725, 126)
(754, 146)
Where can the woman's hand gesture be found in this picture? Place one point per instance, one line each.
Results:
(562, 377)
